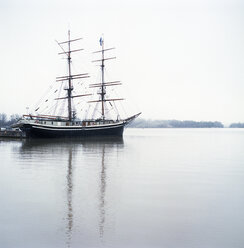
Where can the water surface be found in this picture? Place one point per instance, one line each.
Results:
(153, 188)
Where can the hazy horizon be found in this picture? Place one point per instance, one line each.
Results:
(179, 60)
(226, 124)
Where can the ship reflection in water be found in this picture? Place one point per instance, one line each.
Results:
(69, 200)
(81, 184)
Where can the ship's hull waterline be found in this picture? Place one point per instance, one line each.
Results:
(45, 131)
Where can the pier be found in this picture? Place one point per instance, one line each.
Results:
(12, 134)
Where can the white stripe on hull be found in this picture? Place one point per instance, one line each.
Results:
(77, 129)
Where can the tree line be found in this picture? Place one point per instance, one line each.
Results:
(142, 123)
(6, 121)
(237, 125)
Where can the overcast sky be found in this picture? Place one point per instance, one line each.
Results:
(177, 59)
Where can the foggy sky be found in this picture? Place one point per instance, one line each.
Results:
(177, 59)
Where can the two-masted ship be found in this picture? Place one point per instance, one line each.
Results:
(100, 124)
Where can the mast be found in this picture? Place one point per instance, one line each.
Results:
(102, 69)
(104, 84)
(70, 88)
(70, 77)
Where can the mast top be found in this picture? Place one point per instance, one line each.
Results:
(69, 40)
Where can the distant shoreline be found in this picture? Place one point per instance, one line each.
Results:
(142, 123)
(184, 127)
(6, 122)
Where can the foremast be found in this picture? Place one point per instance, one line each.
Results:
(102, 69)
(104, 84)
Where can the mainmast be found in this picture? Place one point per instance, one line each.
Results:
(70, 77)
(70, 88)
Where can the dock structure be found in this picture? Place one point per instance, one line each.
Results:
(12, 134)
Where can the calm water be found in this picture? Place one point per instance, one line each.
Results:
(172, 188)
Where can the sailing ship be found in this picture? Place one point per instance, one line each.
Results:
(100, 124)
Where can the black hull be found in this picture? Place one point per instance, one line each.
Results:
(37, 131)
